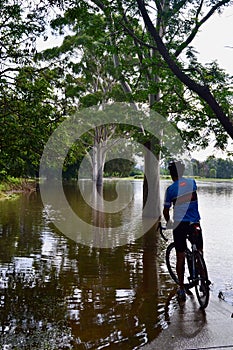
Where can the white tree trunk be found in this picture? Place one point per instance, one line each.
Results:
(98, 161)
(151, 185)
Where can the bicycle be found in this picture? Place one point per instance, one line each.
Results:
(195, 275)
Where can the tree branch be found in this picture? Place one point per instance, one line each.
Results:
(201, 90)
(199, 24)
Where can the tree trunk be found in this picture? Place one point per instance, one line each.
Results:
(151, 192)
(151, 183)
(98, 161)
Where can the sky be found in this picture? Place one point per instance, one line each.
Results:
(215, 40)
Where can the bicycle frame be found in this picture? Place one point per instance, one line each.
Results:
(198, 275)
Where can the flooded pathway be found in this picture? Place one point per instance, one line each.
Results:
(59, 294)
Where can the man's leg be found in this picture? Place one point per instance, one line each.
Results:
(180, 262)
(179, 235)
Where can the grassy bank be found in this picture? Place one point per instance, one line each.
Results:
(168, 177)
(12, 186)
(199, 178)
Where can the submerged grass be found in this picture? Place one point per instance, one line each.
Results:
(10, 187)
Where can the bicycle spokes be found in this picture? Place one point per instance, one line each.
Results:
(195, 274)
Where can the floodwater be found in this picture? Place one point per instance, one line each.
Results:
(56, 293)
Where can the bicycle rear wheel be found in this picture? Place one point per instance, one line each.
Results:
(202, 282)
(171, 265)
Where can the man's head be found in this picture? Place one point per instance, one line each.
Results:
(176, 169)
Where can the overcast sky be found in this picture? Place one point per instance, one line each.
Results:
(215, 41)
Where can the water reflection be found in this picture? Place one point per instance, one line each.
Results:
(57, 294)
(216, 188)
(76, 218)
(217, 220)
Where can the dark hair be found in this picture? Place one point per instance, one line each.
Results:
(176, 168)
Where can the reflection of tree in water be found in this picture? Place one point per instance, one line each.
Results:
(216, 188)
(56, 294)
(32, 316)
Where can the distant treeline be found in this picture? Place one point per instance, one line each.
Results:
(210, 168)
(213, 168)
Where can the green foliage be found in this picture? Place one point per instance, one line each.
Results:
(91, 99)
(145, 73)
(23, 91)
(214, 168)
(27, 119)
(106, 57)
(119, 167)
(20, 24)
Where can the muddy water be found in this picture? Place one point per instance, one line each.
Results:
(59, 294)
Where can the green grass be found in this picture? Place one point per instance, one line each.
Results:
(198, 178)
(168, 177)
(211, 179)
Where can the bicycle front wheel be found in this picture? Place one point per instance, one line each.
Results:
(171, 265)
(171, 261)
(202, 282)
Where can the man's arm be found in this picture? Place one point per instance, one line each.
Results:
(166, 214)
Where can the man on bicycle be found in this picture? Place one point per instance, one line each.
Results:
(183, 196)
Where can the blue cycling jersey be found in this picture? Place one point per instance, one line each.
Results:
(182, 195)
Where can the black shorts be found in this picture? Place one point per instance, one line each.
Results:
(185, 230)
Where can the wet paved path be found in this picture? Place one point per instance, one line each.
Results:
(191, 328)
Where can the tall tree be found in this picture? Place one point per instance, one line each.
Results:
(26, 115)
(141, 66)
(177, 24)
(30, 107)
(95, 78)
(20, 24)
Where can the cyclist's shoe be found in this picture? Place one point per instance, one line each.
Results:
(187, 290)
(181, 295)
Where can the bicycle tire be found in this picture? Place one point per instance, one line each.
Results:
(202, 282)
(171, 265)
(171, 261)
